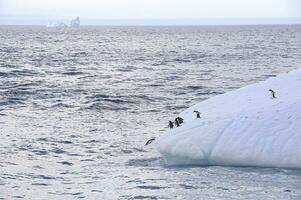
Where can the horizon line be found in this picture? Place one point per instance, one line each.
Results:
(42, 21)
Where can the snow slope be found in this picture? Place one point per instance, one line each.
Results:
(245, 127)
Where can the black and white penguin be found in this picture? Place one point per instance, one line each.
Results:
(177, 124)
(179, 121)
(197, 114)
(149, 141)
(170, 124)
(273, 93)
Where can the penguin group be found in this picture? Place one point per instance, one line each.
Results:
(179, 120)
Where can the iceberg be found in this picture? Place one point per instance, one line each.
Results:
(56, 24)
(75, 22)
(244, 127)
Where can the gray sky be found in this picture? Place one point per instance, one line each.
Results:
(40, 11)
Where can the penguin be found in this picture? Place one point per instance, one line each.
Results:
(273, 93)
(149, 141)
(177, 124)
(170, 124)
(197, 114)
(179, 121)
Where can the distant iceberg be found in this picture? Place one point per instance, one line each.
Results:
(245, 127)
(75, 22)
(56, 24)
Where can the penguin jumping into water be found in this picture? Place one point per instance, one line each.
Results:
(197, 114)
(273, 93)
(149, 141)
(170, 124)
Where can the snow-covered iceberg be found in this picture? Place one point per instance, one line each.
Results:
(245, 127)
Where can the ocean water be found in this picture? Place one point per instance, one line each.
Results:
(78, 105)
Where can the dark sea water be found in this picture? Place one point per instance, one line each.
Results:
(78, 105)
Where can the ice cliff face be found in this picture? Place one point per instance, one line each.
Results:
(245, 127)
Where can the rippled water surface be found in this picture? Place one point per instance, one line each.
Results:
(78, 105)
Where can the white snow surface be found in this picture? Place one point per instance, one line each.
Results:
(244, 127)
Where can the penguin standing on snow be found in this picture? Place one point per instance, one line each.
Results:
(177, 124)
(170, 124)
(179, 121)
(273, 93)
(197, 114)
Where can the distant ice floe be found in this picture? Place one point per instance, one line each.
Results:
(75, 23)
(245, 127)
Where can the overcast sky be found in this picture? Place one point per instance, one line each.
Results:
(30, 10)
